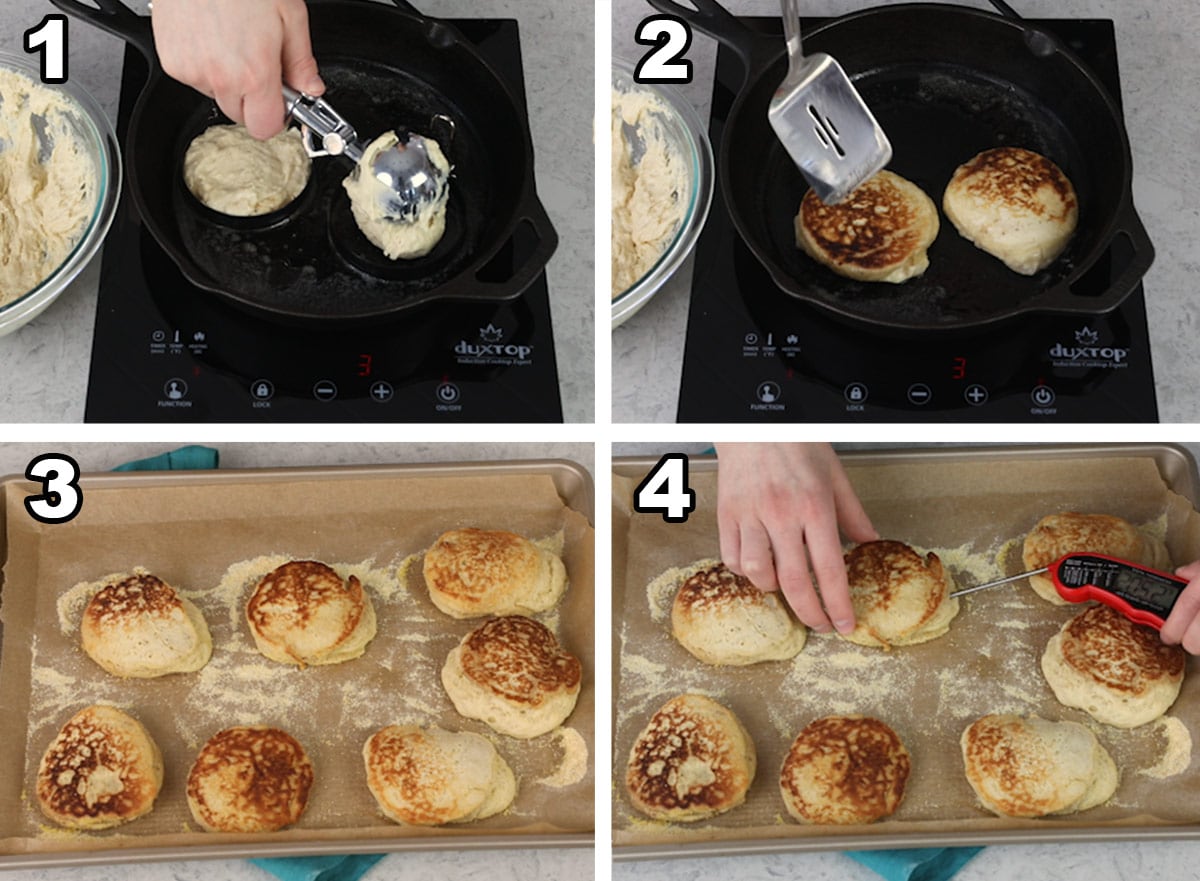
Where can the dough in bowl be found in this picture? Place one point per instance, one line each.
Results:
(232, 172)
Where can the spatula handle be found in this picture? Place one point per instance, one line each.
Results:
(791, 30)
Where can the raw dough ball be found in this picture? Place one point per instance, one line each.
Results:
(399, 240)
(232, 172)
(45, 200)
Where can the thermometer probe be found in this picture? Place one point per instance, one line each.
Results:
(1141, 594)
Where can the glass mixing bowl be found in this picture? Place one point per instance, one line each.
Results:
(687, 136)
(93, 129)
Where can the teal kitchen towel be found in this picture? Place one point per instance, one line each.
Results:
(916, 864)
(328, 868)
(191, 458)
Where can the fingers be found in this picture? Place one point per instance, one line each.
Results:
(263, 112)
(757, 561)
(1182, 626)
(299, 68)
(851, 516)
(829, 567)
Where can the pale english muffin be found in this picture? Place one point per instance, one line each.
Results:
(1030, 767)
(249, 778)
(1070, 532)
(844, 769)
(475, 572)
(900, 597)
(693, 760)
(303, 613)
(1118, 672)
(722, 618)
(140, 627)
(427, 777)
(879, 233)
(1014, 204)
(511, 673)
(103, 769)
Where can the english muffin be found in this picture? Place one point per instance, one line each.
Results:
(844, 769)
(1030, 767)
(722, 618)
(879, 233)
(427, 777)
(511, 673)
(1014, 204)
(304, 613)
(139, 627)
(1118, 672)
(249, 778)
(1070, 532)
(103, 769)
(899, 597)
(476, 572)
(693, 760)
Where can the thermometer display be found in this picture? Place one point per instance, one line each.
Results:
(1143, 595)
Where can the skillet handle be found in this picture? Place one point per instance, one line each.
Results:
(118, 19)
(710, 17)
(523, 276)
(1130, 226)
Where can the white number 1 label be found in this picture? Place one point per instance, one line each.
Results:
(61, 498)
(664, 490)
(50, 39)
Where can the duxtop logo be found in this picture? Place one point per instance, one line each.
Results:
(1087, 353)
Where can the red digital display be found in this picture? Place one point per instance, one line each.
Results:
(364, 364)
(958, 368)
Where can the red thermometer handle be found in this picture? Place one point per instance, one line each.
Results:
(1144, 595)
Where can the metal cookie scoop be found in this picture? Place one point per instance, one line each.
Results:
(823, 122)
(409, 179)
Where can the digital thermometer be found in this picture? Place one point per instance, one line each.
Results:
(1141, 594)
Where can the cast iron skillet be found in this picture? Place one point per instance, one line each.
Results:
(946, 82)
(383, 68)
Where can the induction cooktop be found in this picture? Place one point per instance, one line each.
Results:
(755, 354)
(167, 351)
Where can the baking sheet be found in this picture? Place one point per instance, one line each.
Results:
(974, 511)
(211, 534)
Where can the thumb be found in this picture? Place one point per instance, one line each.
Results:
(298, 65)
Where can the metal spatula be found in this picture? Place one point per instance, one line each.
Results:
(823, 122)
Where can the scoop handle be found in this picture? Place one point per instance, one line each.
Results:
(337, 137)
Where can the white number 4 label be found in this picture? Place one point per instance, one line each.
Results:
(61, 498)
(50, 38)
(664, 490)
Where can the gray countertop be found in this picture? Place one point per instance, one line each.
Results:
(45, 363)
(495, 865)
(1158, 45)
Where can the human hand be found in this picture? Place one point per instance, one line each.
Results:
(239, 52)
(779, 508)
(1182, 626)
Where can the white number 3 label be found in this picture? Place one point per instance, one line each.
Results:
(61, 498)
(665, 490)
(670, 36)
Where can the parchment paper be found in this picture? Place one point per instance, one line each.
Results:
(974, 515)
(198, 536)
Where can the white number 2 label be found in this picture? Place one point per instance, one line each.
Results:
(670, 37)
(61, 498)
(50, 39)
(664, 490)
